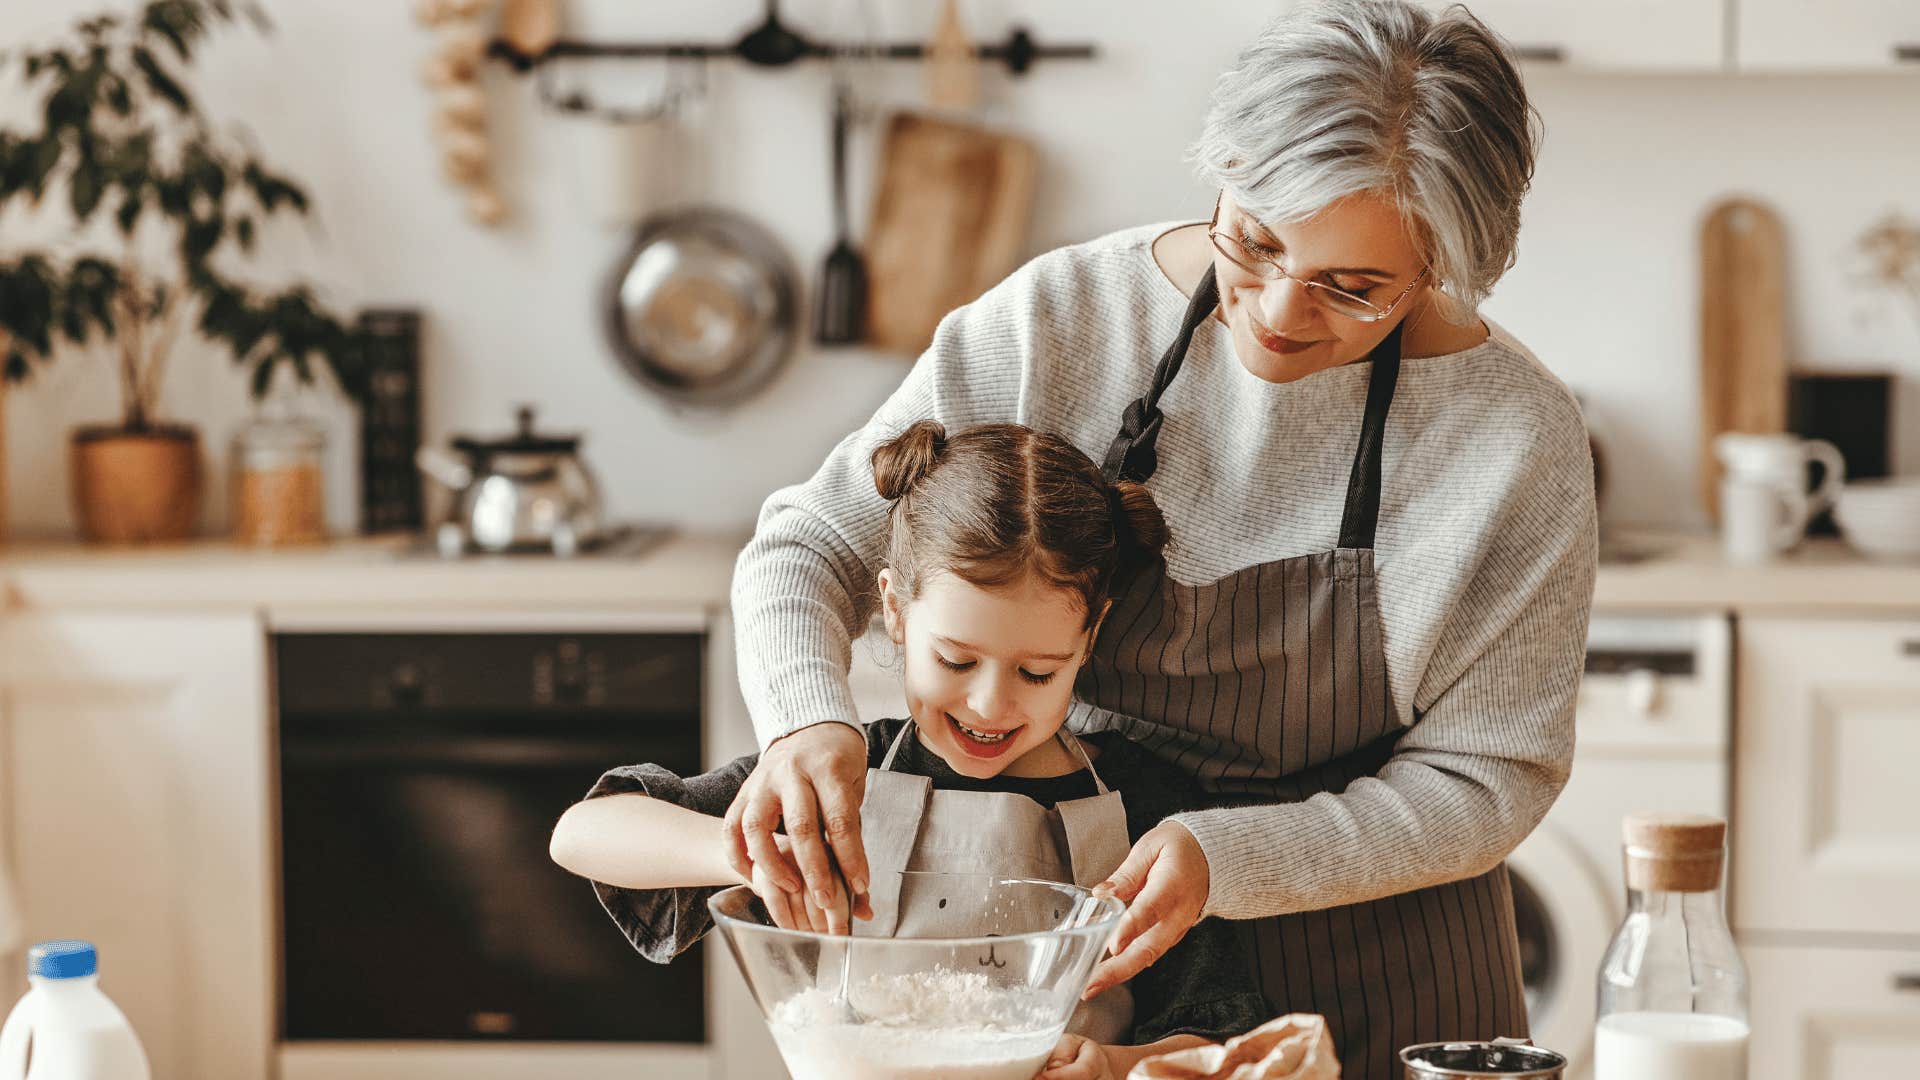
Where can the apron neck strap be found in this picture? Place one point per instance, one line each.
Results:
(1362, 513)
(1131, 455)
(893, 748)
(1074, 745)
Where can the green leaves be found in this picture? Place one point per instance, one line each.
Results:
(27, 293)
(289, 327)
(110, 98)
(158, 81)
(273, 190)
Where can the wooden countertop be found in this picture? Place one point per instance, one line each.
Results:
(1681, 572)
(685, 570)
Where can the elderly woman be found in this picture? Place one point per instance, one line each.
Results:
(1367, 634)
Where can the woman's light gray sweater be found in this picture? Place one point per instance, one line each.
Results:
(1486, 550)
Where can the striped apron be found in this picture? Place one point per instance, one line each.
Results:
(1270, 685)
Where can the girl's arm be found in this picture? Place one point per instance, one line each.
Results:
(631, 841)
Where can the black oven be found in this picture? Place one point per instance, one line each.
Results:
(420, 778)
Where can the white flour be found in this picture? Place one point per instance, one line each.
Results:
(930, 1025)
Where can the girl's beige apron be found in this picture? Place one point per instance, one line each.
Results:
(1270, 685)
(909, 826)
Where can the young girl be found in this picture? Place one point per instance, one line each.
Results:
(1005, 542)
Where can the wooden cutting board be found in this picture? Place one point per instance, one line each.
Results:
(949, 221)
(1743, 331)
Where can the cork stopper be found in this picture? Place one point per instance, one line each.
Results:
(1674, 852)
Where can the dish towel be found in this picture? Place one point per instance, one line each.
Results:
(1291, 1047)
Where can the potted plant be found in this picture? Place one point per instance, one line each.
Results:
(162, 208)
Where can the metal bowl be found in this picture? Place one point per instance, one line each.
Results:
(702, 308)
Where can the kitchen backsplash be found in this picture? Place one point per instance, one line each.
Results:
(1605, 290)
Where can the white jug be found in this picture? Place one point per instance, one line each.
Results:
(65, 1028)
(1764, 502)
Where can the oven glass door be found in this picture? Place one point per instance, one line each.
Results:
(419, 901)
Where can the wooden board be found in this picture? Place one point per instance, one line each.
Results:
(3, 445)
(1743, 331)
(949, 221)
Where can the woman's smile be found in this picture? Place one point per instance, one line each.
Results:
(1278, 344)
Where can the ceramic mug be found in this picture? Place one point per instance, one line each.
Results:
(1764, 502)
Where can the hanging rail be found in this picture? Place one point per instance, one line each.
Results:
(772, 44)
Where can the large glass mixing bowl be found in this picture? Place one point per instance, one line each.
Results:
(985, 1007)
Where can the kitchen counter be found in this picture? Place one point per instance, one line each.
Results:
(1684, 572)
(685, 570)
(1688, 572)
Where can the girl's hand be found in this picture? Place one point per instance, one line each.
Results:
(811, 781)
(1077, 1057)
(791, 910)
(1164, 884)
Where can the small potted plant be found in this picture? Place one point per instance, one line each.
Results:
(162, 207)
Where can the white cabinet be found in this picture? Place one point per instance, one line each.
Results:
(1833, 1013)
(1826, 834)
(134, 757)
(1666, 35)
(1829, 35)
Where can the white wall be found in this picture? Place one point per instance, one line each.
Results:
(1605, 290)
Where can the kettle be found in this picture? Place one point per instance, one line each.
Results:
(525, 492)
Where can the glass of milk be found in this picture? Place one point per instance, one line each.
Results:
(1673, 992)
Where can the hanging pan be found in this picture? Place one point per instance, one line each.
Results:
(701, 309)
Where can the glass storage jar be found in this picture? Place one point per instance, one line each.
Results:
(279, 482)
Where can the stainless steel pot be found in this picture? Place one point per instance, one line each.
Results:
(703, 309)
(527, 491)
(1501, 1059)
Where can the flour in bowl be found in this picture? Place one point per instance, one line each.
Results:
(929, 1025)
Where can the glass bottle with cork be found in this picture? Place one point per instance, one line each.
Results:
(1673, 990)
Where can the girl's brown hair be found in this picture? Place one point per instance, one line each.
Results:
(996, 502)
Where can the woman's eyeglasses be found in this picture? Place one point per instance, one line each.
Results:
(1244, 255)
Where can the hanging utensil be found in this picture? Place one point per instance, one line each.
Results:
(953, 77)
(840, 317)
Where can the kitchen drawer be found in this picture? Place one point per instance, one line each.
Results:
(1834, 1014)
(1827, 741)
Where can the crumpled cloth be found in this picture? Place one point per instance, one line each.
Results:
(1292, 1047)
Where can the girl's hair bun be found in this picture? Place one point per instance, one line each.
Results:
(1137, 522)
(900, 463)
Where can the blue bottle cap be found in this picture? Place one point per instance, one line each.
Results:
(62, 959)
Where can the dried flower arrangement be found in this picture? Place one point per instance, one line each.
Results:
(1889, 250)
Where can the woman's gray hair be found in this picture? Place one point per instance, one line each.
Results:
(1339, 97)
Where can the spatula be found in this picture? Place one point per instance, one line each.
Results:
(841, 312)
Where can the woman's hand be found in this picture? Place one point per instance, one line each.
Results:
(1077, 1057)
(1164, 883)
(796, 910)
(812, 778)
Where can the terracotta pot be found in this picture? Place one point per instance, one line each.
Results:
(132, 487)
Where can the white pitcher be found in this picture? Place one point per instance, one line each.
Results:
(1764, 502)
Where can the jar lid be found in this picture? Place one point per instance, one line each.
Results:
(282, 433)
(1674, 852)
